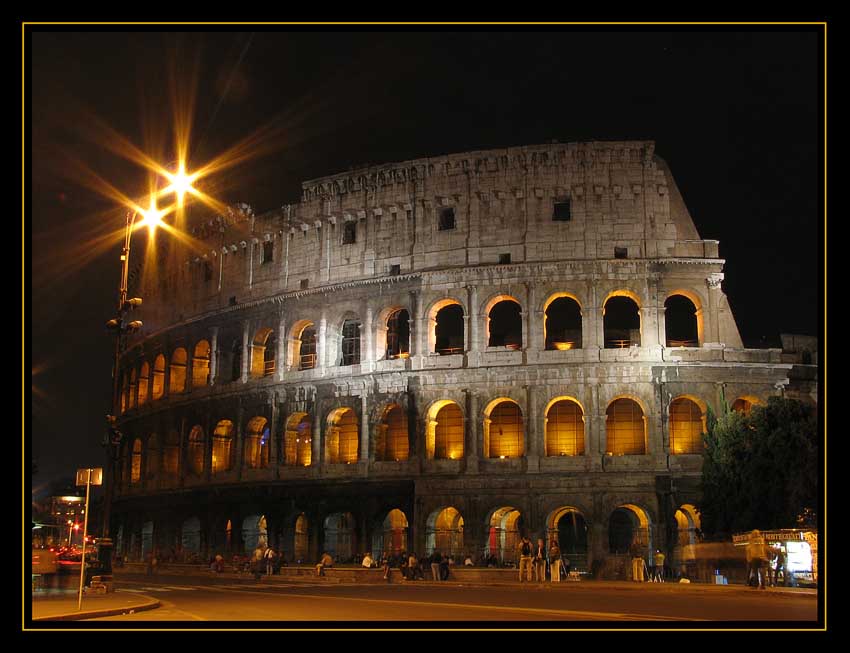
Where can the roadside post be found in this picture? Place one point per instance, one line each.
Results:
(88, 477)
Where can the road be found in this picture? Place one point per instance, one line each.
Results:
(193, 599)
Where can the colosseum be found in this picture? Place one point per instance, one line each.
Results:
(436, 355)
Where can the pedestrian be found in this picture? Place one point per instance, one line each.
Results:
(269, 558)
(257, 564)
(325, 561)
(638, 564)
(540, 561)
(413, 568)
(756, 556)
(780, 565)
(658, 568)
(555, 561)
(218, 563)
(525, 558)
(436, 558)
(367, 560)
(444, 567)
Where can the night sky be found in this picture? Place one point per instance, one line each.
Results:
(737, 113)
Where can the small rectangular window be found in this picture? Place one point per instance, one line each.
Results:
(349, 233)
(561, 209)
(504, 258)
(447, 219)
(395, 269)
(305, 283)
(621, 252)
(268, 251)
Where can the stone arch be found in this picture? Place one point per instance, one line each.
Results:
(444, 531)
(621, 319)
(302, 345)
(195, 450)
(177, 371)
(744, 404)
(339, 535)
(629, 531)
(133, 386)
(504, 430)
(158, 377)
(393, 333)
(446, 327)
(687, 525)
(342, 440)
(254, 533)
(684, 324)
(297, 440)
(444, 431)
(391, 437)
(565, 426)
(257, 443)
(562, 326)
(569, 526)
(687, 423)
(263, 352)
(394, 534)
(136, 462)
(505, 527)
(625, 427)
(350, 336)
(503, 322)
(222, 446)
(302, 538)
(201, 364)
(144, 380)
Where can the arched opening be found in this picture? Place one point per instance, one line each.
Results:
(177, 371)
(136, 462)
(195, 453)
(621, 322)
(444, 532)
(391, 442)
(158, 377)
(629, 532)
(680, 322)
(505, 527)
(564, 428)
(351, 342)
(625, 428)
(190, 536)
(449, 329)
(342, 443)
(393, 533)
(504, 325)
(562, 323)
(257, 440)
(398, 334)
(504, 435)
(444, 431)
(297, 440)
(301, 539)
(263, 353)
(201, 364)
(745, 405)
(133, 387)
(222, 446)
(303, 346)
(144, 375)
(152, 457)
(236, 360)
(339, 532)
(125, 390)
(171, 454)
(254, 533)
(570, 528)
(687, 424)
(687, 525)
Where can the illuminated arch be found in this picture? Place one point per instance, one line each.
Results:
(144, 379)
(442, 338)
(342, 442)
(565, 426)
(569, 527)
(444, 432)
(621, 319)
(625, 427)
(504, 431)
(444, 532)
(391, 440)
(503, 322)
(195, 453)
(562, 331)
(158, 377)
(297, 440)
(263, 352)
(222, 446)
(136, 462)
(504, 531)
(687, 424)
(201, 364)
(302, 345)
(393, 333)
(394, 533)
(177, 371)
(688, 328)
(687, 525)
(629, 530)
(257, 443)
(744, 404)
(301, 538)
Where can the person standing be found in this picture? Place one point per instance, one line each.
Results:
(555, 561)
(638, 564)
(780, 565)
(525, 553)
(269, 557)
(436, 559)
(257, 564)
(540, 561)
(756, 556)
(658, 568)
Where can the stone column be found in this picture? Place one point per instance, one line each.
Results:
(649, 327)
(370, 343)
(273, 440)
(321, 345)
(471, 423)
(529, 328)
(364, 428)
(662, 325)
(280, 354)
(166, 378)
(316, 454)
(246, 335)
(213, 354)
(473, 337)
(532, 430)
(712, 329)
(417, 325)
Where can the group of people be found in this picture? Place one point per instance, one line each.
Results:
(539, 558)
(764, 563)
(641, 573)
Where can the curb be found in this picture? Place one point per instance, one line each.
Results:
(106, 612)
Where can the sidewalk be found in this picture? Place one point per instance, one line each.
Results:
(61, 605)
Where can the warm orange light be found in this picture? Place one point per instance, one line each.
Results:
(181, 182)
(563, 346)
(152, 216)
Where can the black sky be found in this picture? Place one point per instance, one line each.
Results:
(737, 113)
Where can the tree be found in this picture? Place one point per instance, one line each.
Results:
(760, 470)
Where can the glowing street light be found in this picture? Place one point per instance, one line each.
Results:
(181, 182)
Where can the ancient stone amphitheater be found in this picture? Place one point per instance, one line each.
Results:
(439, 354)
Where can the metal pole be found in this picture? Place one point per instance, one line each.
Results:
(85, 529)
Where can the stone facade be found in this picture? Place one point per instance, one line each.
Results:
(589, 222)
